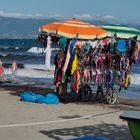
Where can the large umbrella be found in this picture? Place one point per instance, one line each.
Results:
(70, 29)
(122, 31)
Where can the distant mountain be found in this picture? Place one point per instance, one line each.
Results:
(20, 28)
(17, 28)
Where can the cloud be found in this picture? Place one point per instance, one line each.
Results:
(108, 17)
(19, 15)
(5, 14)
(84, 17)
(56, 16)
(36, 15)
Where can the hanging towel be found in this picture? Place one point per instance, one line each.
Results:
(72, 49)
(63, 42)
(105, 41)
(67, 60)
(87, 47)
(94, 43)
(76, 81)
(70, 54)
(74, 64)
(80, 44)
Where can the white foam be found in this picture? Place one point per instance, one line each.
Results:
(35, 50)
(16, 48)
(6, 48)
(32, 73)
(53, 49)
(135, 79)
(40, 50)
(4, 54)
(39, 67)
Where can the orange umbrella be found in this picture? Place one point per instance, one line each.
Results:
(70, 28)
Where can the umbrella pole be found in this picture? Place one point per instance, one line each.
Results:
(47, 59)
(48, 53)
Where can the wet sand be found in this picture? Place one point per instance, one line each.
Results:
(69, 119)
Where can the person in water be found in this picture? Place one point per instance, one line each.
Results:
(1, 68)
(14, 67)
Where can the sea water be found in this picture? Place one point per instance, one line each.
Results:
(29, 53)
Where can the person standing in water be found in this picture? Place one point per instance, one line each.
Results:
(14, 67)
(1, 68)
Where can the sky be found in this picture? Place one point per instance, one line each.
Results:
(123, 10)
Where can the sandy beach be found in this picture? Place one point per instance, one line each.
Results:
(77, 65)
(69, 119)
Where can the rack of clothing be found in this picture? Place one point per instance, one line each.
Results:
(105, 63)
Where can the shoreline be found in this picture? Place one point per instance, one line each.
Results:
(19, 65)
(122, 103)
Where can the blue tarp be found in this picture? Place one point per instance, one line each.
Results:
(50, 98)
(90, 138)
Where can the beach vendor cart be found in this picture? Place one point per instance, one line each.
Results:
(90, 60)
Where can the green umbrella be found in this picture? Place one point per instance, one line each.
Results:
(122, 31)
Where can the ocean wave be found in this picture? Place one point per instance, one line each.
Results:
(40, 50)
(35, 50)
(17, 48)
(135, 79)
(3, 54)
(32, 73)
(39, 67)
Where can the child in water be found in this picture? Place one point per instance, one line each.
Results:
(14, 67)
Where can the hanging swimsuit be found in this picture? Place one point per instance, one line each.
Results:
(75, 63)
(86, 75)
(58, 71)
(76, 81)
(70, 54)
(1, 71)
(108, 77)
(98, 77)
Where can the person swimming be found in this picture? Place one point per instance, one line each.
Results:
(14, 67)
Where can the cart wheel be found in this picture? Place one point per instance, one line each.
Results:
(86, 90)
(111, 96)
